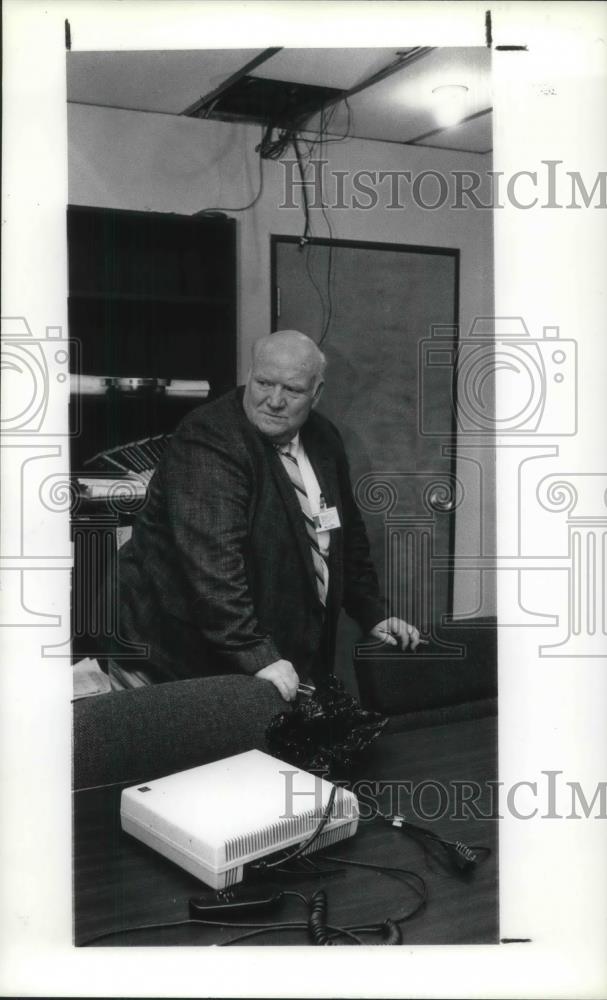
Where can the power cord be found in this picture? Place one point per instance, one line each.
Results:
(462, 858)
(290, 855)
(304, 238)
(242, 208)
(319, 931)
(294, 862)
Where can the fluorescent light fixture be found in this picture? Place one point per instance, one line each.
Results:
(449, 103)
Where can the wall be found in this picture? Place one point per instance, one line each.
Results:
(152, 162)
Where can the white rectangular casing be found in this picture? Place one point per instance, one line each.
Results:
(214, 819)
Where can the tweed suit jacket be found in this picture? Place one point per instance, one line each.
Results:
(218, 575)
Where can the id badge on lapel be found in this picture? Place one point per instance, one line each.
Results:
(327, 518)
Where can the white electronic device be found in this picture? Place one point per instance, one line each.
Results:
(214, 819)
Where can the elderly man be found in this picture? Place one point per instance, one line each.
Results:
(251, 542)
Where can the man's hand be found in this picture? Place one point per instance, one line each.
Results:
(283, 676)
(396, 632)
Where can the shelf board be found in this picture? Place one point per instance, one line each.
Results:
(155, 299)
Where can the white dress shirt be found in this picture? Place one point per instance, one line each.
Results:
(312, 489)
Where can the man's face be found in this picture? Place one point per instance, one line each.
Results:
(281, 390)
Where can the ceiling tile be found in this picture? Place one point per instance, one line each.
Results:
(397, 108)
(474, 136)
(165, 81)
(400, 107)
(339, 68)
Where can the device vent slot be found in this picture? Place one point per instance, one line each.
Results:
(231, 876)
(277, 834)
(328, 838)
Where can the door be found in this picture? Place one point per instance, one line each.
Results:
(372, 308)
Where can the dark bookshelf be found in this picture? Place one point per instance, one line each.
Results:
(151, 296)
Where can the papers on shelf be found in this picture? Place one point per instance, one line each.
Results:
(98, 385)
(101, 487)
(188, 387)
(89, 679)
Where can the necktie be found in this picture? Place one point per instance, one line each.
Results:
(321, 569)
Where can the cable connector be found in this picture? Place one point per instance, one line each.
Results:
(461, 856)
(237, 900)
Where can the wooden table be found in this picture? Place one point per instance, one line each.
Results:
(119, 882)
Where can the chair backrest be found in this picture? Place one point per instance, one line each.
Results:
(433, 678)
(129, 736)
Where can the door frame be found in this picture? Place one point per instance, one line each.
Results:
(277, 238)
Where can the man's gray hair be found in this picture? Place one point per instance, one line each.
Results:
(296, 339)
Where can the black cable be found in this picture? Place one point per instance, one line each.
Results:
(273, 149)
(304, 240)
(250, 934)
(335, 932)
(267, 865)
(321, 932)
(316, 286)
(317, 921)
(402, 874)
(389, 928)
(253, 929)
(312, 143)
(460, 856)
(313, 872)
(329, 297)
(138, 927)
(304, 192)
(195, 920)
(243, 208)
(298, 895)
(392, 932)
(346, 932)
(327, 323)
(296, 924)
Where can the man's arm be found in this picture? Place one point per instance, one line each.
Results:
(208, 483)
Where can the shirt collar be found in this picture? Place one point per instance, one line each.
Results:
(292, 447)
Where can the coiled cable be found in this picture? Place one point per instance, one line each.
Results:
(317, 921)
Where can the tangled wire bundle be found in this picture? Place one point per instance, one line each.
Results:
(326, 732)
